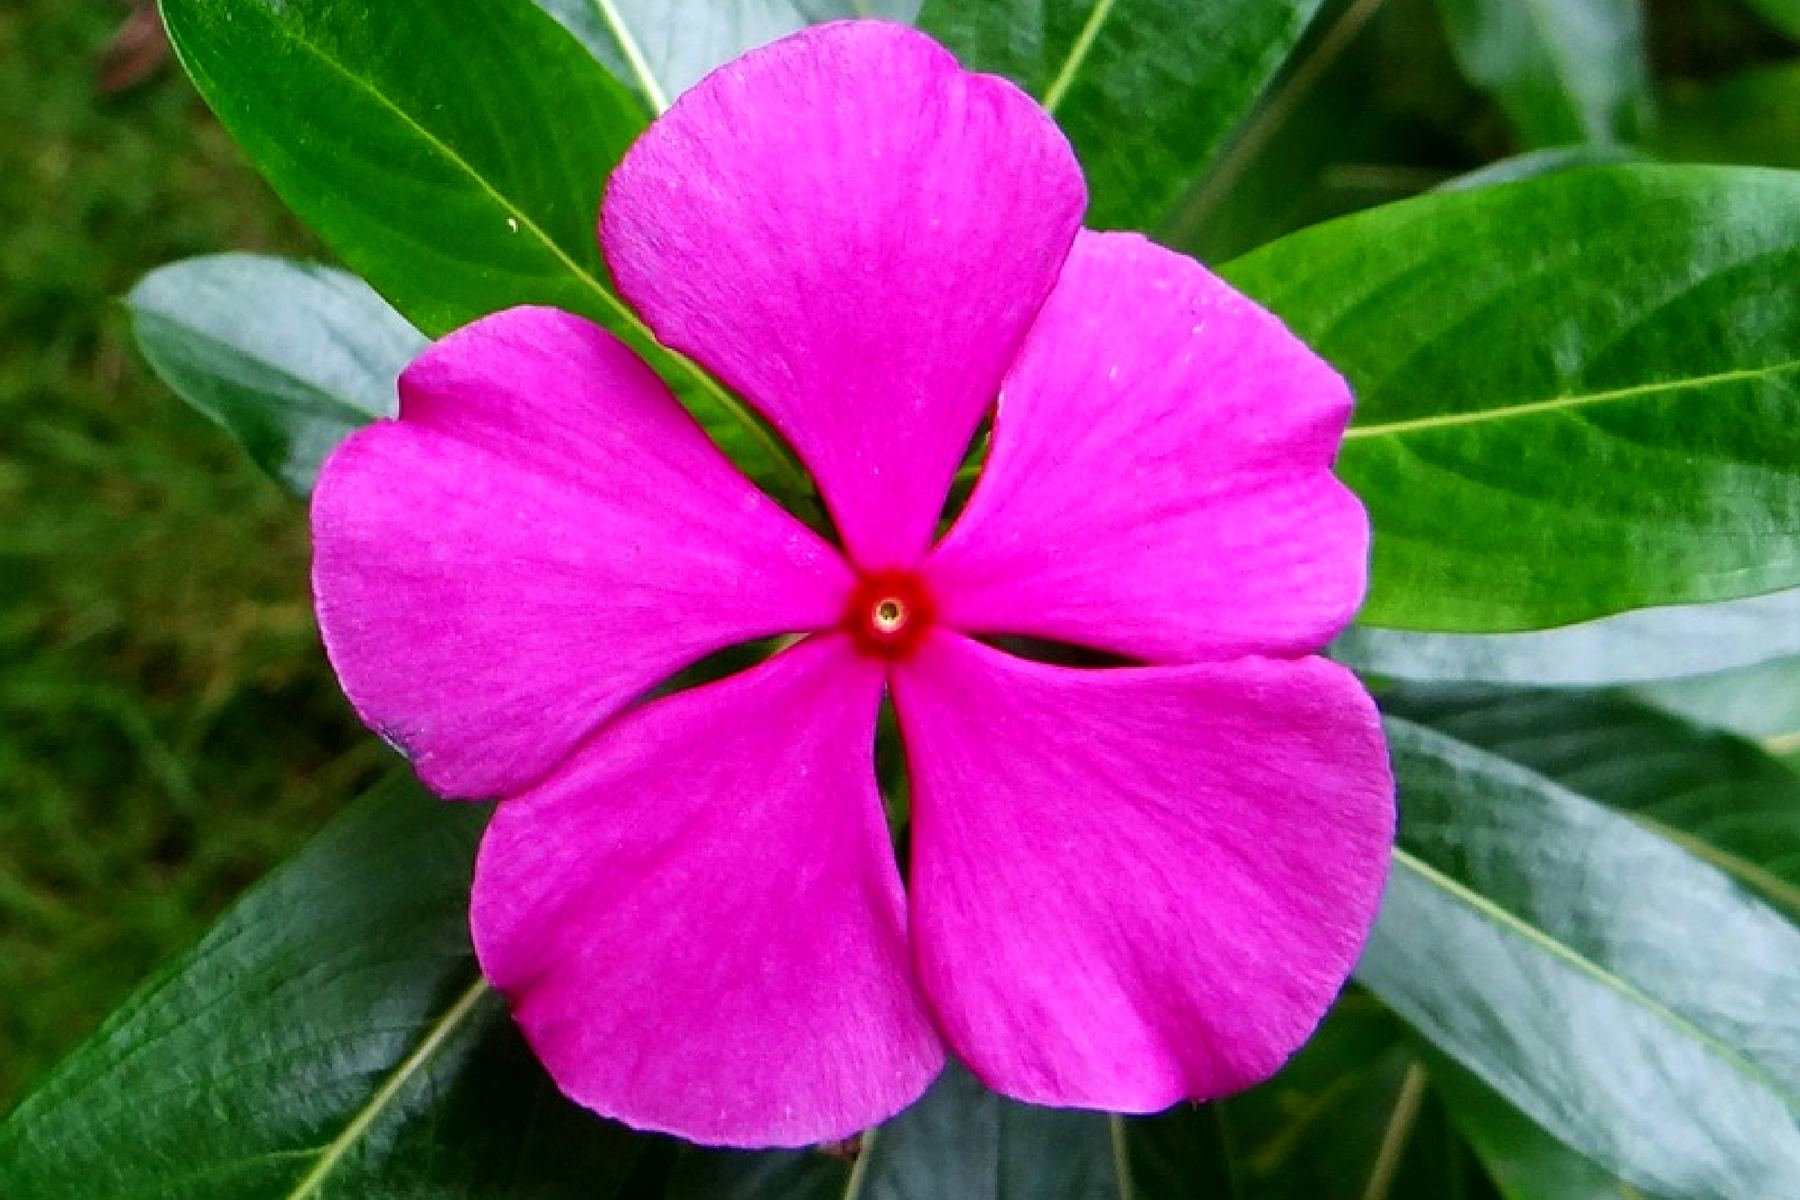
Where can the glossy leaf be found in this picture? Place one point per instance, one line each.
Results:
(1761, 702)
(1563, 70)
(1178, 76)
(288, 357)
(660, 48)
(1739, 806)
(329, 1038)
(1632, 647)
(452, 156)
(962, 1140)
(1627, 997)
(1576, 395)
(1525, 1162)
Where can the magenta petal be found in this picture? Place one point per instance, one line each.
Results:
(699, 921)
(1135, 886)
(854, 233)
(1159, 484)
(543, 535)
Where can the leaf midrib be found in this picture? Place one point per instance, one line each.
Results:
(1078, 52)
(436, 1036)
(776, 457)
(635, 58)
(1511, 922)
(1529, 408)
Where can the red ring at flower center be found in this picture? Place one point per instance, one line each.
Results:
(888, 612)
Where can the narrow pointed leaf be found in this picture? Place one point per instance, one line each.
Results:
(1575, 395)
(329, 1039)
(1147, 90)
(288, 357)
(1632, 647)
(1563, 70)
(1739, 805)
(1626, 996)
(454, 157)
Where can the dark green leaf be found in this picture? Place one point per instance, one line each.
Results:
(962, 1140)
(1564, 70)
(1576, 395)
(452, 155)
(1740, 807)
(289, 358)
(454, 158)
(329, 1038)
(1626, 996)
(1652, 643)
(1147, 90)
(1525, 1162)
(1350, 1118)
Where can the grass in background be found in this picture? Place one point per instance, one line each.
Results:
(168, 728)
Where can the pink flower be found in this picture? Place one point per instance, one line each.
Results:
(1127, 886)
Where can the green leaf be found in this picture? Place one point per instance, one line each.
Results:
(1147, 90)
(453, 156)
(1525, 1162)
(660, 48)
(962, 1140)
(289, 358)
(1563, 70)
(1752, 117)
(1737, 806)
(1761, 702)
(1633, 647)
(1783, 14)
(1626, 996)
(1351, 1117)
(1576, 395)
(329, 1038)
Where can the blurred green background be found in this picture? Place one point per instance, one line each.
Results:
(168, 728)
(167, 724)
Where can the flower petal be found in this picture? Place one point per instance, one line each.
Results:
(699, 921)
(542, 536)
(854, 233)
(1135, 886)
(1159, 484)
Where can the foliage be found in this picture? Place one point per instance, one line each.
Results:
(1579, 385)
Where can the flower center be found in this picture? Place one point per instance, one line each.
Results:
(888, 612)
